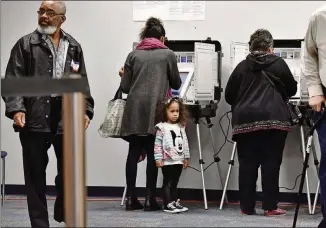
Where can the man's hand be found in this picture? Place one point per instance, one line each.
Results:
(185, 163)
(316, 102)
(121, 71)
(86, 121)
(159, 164)
(19, 119)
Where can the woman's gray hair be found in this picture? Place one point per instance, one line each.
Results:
(261, 40)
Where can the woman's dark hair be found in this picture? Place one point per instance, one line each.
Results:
(261, 40)
(161, 113)
(153, 29)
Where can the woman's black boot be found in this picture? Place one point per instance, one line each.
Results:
(150, 201)
(132, 203)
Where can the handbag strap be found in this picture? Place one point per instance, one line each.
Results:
(281, 91)
(118, 94)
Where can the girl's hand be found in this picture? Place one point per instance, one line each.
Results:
(159, 164)
(185, 164)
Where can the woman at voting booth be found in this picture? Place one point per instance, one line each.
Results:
(148, 73)
(256, 91)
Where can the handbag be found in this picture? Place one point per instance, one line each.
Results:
(111, 126)
(294, 112)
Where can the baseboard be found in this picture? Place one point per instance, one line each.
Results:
(186, 194)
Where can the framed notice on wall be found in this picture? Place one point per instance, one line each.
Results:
(169, 10)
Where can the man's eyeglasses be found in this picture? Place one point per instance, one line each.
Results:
(49, 13)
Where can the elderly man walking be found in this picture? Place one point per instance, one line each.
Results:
(46, 52)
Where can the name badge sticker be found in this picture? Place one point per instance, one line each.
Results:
(74, 66)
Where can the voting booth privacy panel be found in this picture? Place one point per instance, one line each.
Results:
(200, 69)
(199, 63)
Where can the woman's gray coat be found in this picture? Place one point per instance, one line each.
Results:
(148, 74)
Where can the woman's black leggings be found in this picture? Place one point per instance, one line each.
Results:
(260, 149)
(138, 144)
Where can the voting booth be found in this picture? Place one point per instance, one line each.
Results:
(199, 64)
(199, 67)
(292, 51)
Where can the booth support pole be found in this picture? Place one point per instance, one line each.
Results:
(74, 160)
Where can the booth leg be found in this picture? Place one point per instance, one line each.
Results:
(124, 195)
(231, 163)
(201, 162)
(222, 184)
(217, 163)
(316, 162)
(316, 198)
(306, 174)
(74, 160)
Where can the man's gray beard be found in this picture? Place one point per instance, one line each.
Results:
(48, 30)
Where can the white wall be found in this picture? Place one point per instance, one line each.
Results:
(106, 31)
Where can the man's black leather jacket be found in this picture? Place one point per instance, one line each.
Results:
(31, 57)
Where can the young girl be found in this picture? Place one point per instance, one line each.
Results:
(171, 152)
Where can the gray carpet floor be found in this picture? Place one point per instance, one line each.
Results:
(108, 213)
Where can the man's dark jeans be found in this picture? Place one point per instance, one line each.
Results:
(321, 130)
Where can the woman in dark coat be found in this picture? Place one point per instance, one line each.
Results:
(149, 72)
(260, 120)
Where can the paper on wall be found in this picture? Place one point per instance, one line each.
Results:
(169, 10)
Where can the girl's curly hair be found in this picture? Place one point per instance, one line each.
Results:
(161, 113)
